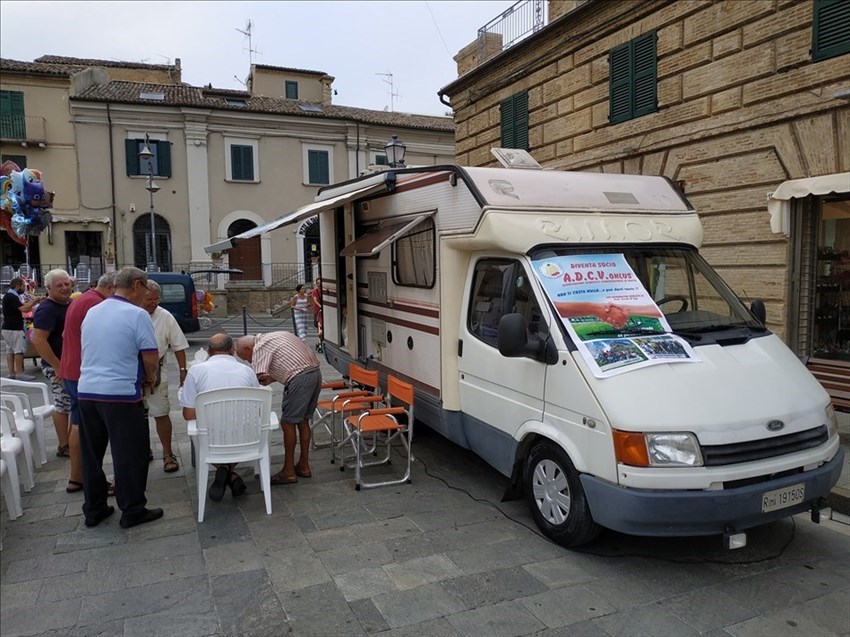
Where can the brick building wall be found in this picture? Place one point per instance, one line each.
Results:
(741, 108)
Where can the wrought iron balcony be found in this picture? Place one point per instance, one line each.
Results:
(514, 24)
(26, 129)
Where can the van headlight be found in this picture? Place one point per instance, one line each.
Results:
(680, 449)
(831, 421)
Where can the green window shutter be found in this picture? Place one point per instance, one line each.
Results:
(291, 90)
(131, 152)
(242, 163)
(163, 158)
(830, 29)
(12, 115)
(318, 171)
(521, 120)
(619, 83)
(645, 70)
(19, 160)
(381, 160)
(506, 109)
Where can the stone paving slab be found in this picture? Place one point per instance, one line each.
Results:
(424, 559)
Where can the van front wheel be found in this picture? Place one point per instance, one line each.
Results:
(556, 498)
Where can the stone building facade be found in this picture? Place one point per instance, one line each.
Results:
(736, 98)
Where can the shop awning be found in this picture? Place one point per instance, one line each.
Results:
(779, 201)
(372, 243)
(300, 214)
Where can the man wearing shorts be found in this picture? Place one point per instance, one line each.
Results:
(13, 327)
(48, 325)
(285, 358)
(168, 334)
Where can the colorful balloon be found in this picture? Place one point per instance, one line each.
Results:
(24, 203)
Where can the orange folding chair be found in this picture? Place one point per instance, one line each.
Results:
(361, 391)
(386, 420)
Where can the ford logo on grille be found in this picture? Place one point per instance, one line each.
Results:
(775, 425)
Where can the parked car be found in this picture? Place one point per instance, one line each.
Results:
(177, 295)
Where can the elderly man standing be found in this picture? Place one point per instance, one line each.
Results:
(69, 366)
(168, 334)
(120, 357)
(285, 358)
(220, 370)
(13, 327)
(48, 324)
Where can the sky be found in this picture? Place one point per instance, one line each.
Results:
(348, 40)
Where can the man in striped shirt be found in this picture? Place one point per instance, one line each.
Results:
(286, 359)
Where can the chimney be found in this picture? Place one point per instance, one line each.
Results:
(476, 53)
(327, 89)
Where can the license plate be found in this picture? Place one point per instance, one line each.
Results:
(783, 498)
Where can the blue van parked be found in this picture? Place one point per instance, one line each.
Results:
(177, 295)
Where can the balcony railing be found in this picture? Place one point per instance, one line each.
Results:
(514, 24)
(23, 128)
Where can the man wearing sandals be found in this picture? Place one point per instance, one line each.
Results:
(69, 366)
(219, 371)
(284, 358)
(168, 334)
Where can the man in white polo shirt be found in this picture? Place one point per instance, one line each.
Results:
(219, 371)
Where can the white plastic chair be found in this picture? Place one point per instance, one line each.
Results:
(11, 490)
(10, 447)
(41, 407)
(24, 420)
(22, 428)
(232, 425)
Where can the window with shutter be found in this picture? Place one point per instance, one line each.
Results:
(12, 116)
(830, 29)
(513, 113)
(242, 162)
(160, 162)
(19, 160)
(317, 168)
(633, 79)
(291, 90)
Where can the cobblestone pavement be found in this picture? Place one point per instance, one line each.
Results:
(441, 556)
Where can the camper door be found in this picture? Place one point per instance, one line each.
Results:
(498, 394)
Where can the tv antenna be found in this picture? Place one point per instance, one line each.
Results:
(388, 79)
(251, 50)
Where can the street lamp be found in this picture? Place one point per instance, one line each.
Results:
(395, 152)
(152, 187)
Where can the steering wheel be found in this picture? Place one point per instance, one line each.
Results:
(674, 297)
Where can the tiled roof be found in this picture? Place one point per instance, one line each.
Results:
(286, 68)
(183, 95)
(38, 68)
(62, 60)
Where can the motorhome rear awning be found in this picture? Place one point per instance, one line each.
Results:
(372, 243)
(300, 214)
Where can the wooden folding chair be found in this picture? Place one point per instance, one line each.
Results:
(383, 420)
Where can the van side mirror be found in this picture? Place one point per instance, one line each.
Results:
(759, 311)
(514, 342)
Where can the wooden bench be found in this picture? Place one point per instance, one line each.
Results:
(834, 375)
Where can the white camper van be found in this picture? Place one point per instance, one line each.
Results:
(565, 328)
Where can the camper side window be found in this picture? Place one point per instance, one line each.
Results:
(500, 287)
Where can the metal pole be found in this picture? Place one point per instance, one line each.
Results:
(244, 321)
(153, 220)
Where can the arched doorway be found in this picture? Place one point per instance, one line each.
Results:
(142, 243)
(312, 248)
(246, 254)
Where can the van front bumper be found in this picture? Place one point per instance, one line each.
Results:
(680, 513)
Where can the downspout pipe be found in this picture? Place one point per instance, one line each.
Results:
(442, 97)
(112, 190)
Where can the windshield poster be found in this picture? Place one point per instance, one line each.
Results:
(612, 319)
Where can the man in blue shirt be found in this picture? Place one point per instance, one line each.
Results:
(119, 362)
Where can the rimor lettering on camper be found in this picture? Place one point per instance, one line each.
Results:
(595, 229)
